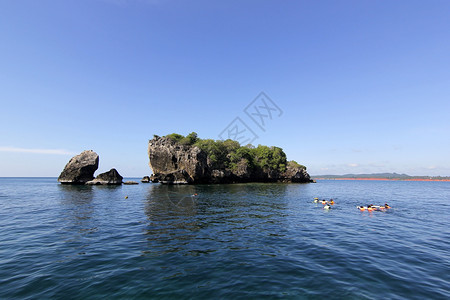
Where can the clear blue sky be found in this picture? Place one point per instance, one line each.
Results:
(364, 86)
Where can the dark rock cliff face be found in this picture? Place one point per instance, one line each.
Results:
(174, 163)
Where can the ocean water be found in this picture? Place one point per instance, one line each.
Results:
(241, 241)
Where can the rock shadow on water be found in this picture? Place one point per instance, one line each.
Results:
(77, 221)
(220, 218)
(171, 219)
(76, 194)
(172, 199)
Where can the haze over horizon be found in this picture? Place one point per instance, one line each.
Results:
(350, 86)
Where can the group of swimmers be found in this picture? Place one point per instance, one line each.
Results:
(326, 204)
(372, 207)
(369, 207)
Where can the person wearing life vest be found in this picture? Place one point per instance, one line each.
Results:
(371, 207)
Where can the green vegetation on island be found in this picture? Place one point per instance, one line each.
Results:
(230, 154)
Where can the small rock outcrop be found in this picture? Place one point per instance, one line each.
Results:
(146, 179)
(112, 177)
(154, 178)
(175, 163)
(80, 169)
(130, 182)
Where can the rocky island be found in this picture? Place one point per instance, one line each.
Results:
(81, 168)
(176, 159)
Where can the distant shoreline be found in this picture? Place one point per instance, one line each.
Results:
(382, 179)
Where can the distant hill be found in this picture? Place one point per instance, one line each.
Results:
(394, 176)
(374, 175)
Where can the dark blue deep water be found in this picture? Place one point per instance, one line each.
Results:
(231, 241)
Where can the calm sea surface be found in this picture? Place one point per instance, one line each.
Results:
(230, 241)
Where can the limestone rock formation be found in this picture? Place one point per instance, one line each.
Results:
(80, 169)
(176, 163)
(112, 177)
